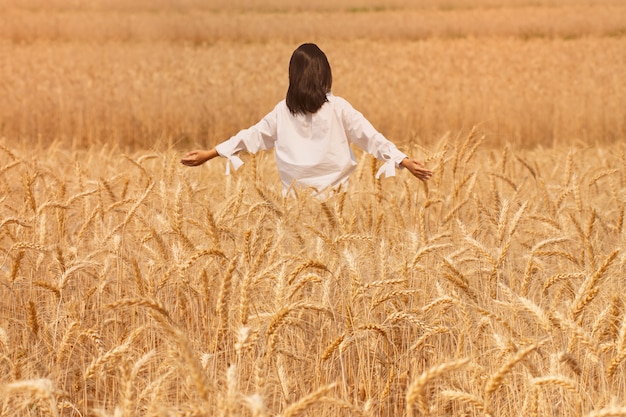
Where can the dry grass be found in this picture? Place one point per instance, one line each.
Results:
(130, 285)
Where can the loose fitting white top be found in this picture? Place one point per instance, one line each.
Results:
(313, 149)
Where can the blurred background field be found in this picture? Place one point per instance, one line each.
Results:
(190, 73)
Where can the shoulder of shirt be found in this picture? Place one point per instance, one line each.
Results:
(338, 101)
(281, 104)
(279, 107)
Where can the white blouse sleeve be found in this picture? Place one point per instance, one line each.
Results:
(259, 137)
(361, 132)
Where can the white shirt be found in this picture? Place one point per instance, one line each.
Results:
(313, 150)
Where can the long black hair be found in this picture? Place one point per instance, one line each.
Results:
(310, 79)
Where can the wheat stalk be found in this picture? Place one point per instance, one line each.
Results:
(464, 397)
(527, 305)
(578, 333)
(557, 380)
(328, 352)
(466, 144)
(39, 388)
(416, 391)
(609, 411)
(507, 180)
(532, 404)
(130, 213)
(193, 366)
(305, 402)
(224, 294)
(589, 287)
(33, 318)
(454, 210)
(571, 362)
(471, 178)
(112, 356)
(459, 280)
(472, 151)
(497, 379)
(256, 405)
(615, 362)
(427, 250)
(310, 264)
(390, 296)
(550, 281)
(621, 349)
(602, 174)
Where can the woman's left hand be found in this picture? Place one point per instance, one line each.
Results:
(198, 157)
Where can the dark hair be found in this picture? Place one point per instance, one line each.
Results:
(310, 79)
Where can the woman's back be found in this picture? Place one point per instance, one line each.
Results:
(313, 149)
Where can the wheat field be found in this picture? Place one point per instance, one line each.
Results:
(133, 286)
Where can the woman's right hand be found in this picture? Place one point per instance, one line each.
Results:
(417, 168)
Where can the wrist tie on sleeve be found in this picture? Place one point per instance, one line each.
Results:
(388, 168)
(235, 161)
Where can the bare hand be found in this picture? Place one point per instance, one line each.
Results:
(417, 168)
(198, 157)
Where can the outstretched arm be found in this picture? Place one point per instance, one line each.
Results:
(361, 132)
(261, 136)
(416, 168)
(198, 157)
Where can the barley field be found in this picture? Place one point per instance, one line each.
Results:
(133, 286)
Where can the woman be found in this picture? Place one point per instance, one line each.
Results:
(311, 132)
